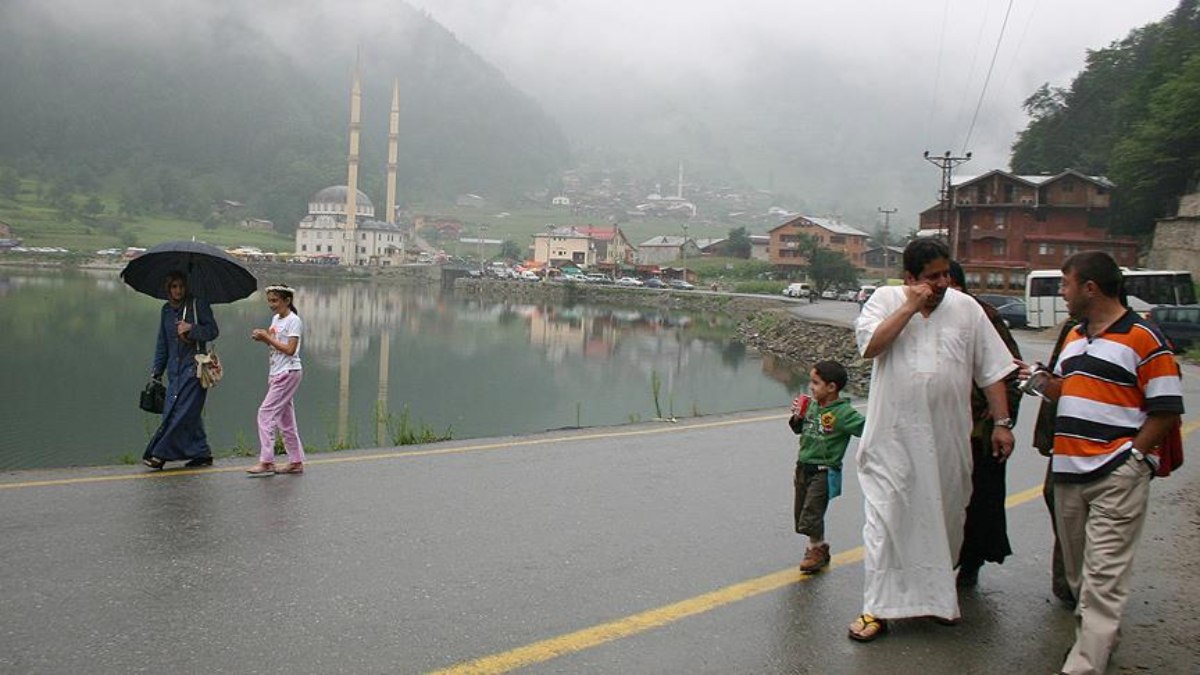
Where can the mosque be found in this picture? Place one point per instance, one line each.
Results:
(323, 233)
(340, 226)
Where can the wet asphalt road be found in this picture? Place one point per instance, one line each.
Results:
(420, 558)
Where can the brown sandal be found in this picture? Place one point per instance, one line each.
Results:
(866, 628)
(293, 467)
(262, 469)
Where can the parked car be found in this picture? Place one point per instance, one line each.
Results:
(680, 285)
(995, 299)
(798, 290)
(654, 282)
(829, 294)
(529, 275)
(1014, 314)
(597, 278)
(1181, 324)
(629, 281)
(848, 295)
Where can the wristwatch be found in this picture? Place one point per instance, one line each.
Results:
(1006, 422)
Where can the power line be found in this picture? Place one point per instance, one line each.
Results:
(1012, 65)
(983, 92)
(966, 94)
(937, 73)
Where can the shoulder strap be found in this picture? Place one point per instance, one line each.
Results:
(201, 346)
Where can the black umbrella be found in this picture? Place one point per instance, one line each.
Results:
(212, 274)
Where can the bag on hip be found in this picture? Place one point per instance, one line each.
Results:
(208, 368)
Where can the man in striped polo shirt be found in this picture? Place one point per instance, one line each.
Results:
(1119, 393)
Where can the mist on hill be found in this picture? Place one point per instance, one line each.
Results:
(827, 106)
(830, 105)
(175, 104)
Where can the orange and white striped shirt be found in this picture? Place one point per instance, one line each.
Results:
(1111, 382)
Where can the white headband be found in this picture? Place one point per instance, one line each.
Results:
(281, 288)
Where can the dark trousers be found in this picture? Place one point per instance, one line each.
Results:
(812, 499)
(985, 533)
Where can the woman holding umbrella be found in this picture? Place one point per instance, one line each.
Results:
(185, 322)
(190, 276)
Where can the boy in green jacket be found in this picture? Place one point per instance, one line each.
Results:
(825, 423)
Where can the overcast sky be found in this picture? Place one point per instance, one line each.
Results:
(924, 60)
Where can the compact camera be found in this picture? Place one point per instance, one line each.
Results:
(1039, 377)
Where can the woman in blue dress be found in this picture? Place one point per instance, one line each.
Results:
(185, 322)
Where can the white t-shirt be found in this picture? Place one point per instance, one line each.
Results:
(283, 330)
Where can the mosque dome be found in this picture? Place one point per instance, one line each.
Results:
(333, 200)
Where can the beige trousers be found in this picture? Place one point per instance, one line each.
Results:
(1099, 524)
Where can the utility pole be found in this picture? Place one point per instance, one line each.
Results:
(946, 162)
(482, 233)
(887, 253)
(683, 248)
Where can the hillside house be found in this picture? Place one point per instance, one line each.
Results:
(1002, 225)
(665, 249)
(586, 246)
(784, 249)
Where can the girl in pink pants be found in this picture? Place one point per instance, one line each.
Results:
(278, 409)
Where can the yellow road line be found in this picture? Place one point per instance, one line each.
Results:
(587, 638)
(637, 623)
(1189, 428)
(1023, 496)
(399, 454)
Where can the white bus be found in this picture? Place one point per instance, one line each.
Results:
(1044, 306)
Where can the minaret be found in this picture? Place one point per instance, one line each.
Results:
(679, 188)
(352, 177)
(393, 142)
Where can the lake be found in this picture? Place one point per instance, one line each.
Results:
(76, 349)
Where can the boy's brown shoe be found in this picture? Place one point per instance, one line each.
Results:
(816, 558)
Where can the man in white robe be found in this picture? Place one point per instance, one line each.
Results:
(928, 342)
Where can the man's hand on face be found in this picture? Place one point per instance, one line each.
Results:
(917, 295)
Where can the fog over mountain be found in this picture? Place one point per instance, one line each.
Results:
(829, 105)
(830, 102)
(173, 104)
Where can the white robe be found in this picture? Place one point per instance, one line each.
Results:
(914, 460)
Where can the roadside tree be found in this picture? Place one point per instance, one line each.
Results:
(511, 250)
(739, 243)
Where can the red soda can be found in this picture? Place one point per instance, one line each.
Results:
(800, 404)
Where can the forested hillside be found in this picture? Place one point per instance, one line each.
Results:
(171, 110)
(1133, 114)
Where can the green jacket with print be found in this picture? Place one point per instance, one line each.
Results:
(825, 432)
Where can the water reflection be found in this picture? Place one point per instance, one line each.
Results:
(82, 342)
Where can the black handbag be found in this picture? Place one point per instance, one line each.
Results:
(154, 397)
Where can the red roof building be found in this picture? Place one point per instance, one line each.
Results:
(1002, 225)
